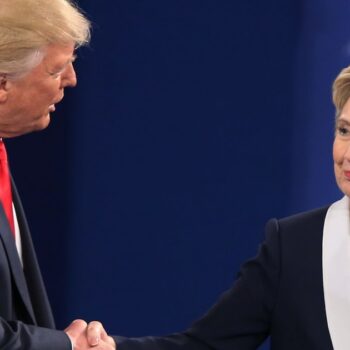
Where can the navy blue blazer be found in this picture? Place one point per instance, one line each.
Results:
(26, 320)
(279, 294)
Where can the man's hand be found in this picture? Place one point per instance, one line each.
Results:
(87, 336)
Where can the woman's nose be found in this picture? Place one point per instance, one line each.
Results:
(347, 152)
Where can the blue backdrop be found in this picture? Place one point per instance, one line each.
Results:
(193, 122)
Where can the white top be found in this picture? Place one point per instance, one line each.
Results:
(336, 272)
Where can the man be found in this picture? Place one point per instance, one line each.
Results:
(37, 43)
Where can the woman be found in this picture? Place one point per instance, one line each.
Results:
(297, 289)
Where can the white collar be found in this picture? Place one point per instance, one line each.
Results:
(336, 272)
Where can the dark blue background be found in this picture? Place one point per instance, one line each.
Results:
(193, 122)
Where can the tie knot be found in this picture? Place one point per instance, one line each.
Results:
(3, 154)
(5, 187)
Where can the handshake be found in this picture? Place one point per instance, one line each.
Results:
(89, 336)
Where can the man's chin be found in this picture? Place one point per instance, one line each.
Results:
(38, 125)
(42, 123)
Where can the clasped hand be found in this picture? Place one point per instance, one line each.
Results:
(89, 336)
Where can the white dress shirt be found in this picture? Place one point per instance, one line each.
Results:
(17, 235)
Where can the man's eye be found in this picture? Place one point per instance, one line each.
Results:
(55, 75)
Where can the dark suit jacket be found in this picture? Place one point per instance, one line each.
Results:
(26, 320)
(279, 293)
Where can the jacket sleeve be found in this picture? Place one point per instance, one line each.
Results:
(15, 335)
(241, 318)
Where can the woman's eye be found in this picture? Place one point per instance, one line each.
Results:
(343, 131)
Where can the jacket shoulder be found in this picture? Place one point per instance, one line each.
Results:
(306, 224)
(307, 217)
(299, 232)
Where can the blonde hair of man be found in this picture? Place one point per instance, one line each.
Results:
(28, 26)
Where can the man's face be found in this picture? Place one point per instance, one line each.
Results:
(26, 103)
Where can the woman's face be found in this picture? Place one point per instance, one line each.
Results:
(341, 150)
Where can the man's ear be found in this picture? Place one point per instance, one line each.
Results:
(3, 88)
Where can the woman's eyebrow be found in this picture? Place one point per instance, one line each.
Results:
(343, 121)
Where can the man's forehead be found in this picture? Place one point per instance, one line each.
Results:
(56, 54)
(59, 51)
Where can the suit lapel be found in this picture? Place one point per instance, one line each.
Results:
(35, 285)
(14, 262)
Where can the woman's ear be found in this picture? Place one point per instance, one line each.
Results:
(3, 88)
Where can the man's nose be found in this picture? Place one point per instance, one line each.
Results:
(69, 77)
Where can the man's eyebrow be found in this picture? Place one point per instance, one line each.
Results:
(70, 60)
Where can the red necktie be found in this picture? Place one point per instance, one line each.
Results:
(5, 187)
